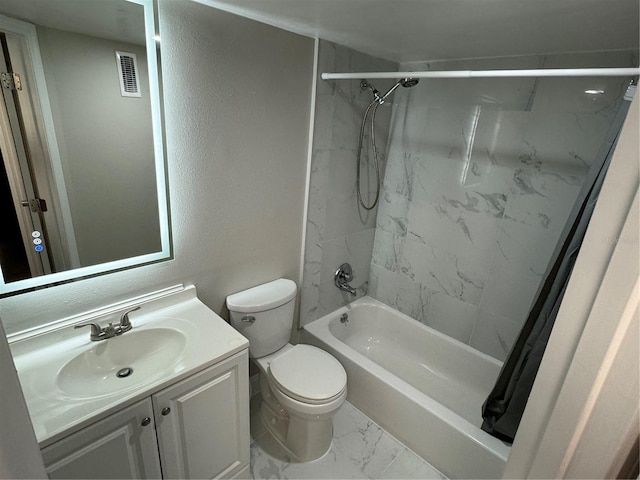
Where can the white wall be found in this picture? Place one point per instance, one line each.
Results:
(237, 102)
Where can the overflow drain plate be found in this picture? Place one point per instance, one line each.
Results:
(124, 372)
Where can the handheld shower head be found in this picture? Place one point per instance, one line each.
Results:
(405, 82)
(409, 82)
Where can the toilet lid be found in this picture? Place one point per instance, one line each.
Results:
(308, 374)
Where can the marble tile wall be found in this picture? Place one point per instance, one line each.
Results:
(481, 175)
(338, 230)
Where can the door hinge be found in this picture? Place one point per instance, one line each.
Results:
(35, 204)
(11, 81)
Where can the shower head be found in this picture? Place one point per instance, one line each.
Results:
(409, 82)
(405, 82)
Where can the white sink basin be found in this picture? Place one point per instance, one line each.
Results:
(70, 382)
(139, 356)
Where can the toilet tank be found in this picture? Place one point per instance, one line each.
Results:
(264, 315)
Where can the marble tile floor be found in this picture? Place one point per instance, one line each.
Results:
(360, 449)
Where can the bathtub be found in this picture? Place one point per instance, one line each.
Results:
(423, 387)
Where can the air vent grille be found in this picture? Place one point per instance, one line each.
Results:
(128, 71)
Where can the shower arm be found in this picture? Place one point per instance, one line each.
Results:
(389, 92)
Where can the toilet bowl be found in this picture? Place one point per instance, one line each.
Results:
(302, 386)
(307, 429)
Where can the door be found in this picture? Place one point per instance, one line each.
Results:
(203, 422)
(122, 445)
(17, 184)
(35, 237)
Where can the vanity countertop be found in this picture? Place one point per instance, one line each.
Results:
(43, 361)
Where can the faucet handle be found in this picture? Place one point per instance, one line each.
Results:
(96, 330)
(342, 277)
(344, 273)
(124, 319)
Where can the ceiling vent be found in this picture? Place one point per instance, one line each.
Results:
(128, 71)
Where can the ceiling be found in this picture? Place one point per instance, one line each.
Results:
(415, 30)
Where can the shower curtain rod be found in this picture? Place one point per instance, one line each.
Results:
(544, 72)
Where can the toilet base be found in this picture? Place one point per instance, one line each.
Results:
(303, 438)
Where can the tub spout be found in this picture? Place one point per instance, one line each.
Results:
(347, 288)
(343, 276)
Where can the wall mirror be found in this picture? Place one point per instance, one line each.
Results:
(82, 177)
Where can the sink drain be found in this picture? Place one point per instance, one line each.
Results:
(124, 372)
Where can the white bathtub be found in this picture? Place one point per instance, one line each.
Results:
(423, 387)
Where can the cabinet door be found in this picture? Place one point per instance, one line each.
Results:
(122, 445)
(203, 422)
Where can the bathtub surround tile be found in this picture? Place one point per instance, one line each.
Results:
(568, 94)
(335, 221)
(343, 217)
(566, 143)
(331, 298)
(346, 125)
(342, 174)
(360, 449)
(494, 334)
(457, 275)
(435, 308)
(322, 128)
(430, 306)
(491, 92)
(327, 63)
(383, 285)
(469, 234)
(524, 248)
(480, 179)
(476, 185)
(310, 294)
(314, 237)
(399, 174)
(516, 303)
(542, 199)
(353, 249)
(451, 316)
(387, 250)
(392, 213)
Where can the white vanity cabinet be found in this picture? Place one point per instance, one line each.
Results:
(195, 428)
(202, 423)
(122, 445)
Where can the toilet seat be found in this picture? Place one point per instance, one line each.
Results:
(308, 374)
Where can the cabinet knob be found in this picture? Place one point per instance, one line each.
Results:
(145, 421)
(166, 411)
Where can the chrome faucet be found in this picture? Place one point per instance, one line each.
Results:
(98, 333)
(342, 277)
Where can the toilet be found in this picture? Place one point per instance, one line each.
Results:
(302, 386)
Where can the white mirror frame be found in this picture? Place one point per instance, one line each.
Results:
(28, 32)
